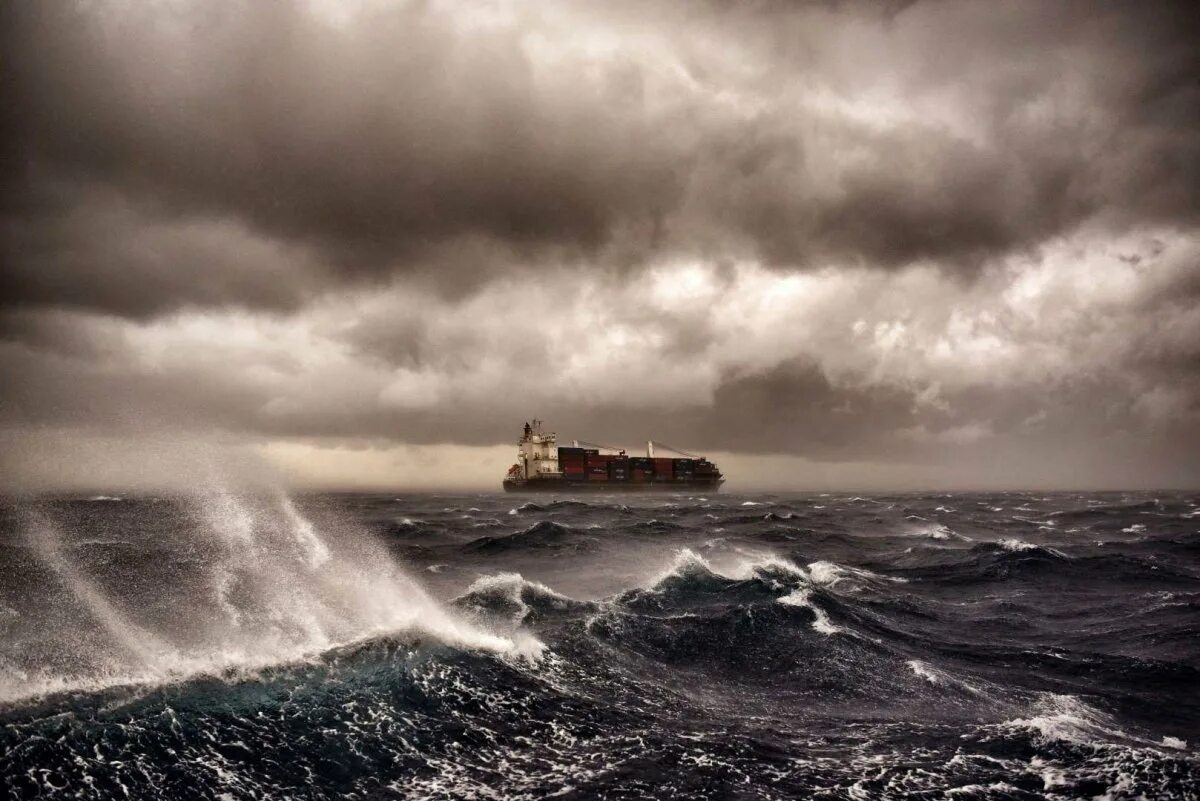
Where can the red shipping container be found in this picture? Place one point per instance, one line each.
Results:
(662, 467)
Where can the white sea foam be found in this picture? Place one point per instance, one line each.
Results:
(1016, 545)
(939, 677)
(802, 597)
(831, 574)
(936, 531)
(974, 790)
(1066, 718)
(924, 671)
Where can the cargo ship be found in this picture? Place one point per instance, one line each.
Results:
(542, 466)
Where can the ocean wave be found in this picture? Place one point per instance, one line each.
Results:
(517, 598)
(653, 524)
(21, 687)
(1065, 718)
(1107, 510)
(245, 649)
(273, 589)
(545, 534)
(691, 580)
(803, 597)
(552, 506)
(937, 531)
(1014, 545)
(940, 678)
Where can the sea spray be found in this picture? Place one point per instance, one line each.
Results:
(254, 583)
(145, 649)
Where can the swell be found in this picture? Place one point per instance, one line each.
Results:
(544, 534)
(843, 650)
(1016, 559)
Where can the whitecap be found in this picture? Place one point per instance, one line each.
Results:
(1016, 545)
(1065, 718)
(511, 587)
(821, 622)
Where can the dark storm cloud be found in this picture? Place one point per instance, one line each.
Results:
(370, 143)
(721, 225)
(100, 253)
(405, 138)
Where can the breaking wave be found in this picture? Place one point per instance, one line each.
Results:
(263, 589)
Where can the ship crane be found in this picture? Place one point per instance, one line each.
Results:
(599, 446)
(650, 449)
(650, 446)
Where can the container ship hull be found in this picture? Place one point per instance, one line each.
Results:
(559, 485)
(542, 466)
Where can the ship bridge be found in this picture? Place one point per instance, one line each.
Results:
(537, 452)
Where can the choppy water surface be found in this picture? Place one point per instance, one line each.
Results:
(491, 646)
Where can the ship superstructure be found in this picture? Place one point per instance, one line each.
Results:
(544, 466)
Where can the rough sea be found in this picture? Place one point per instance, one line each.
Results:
(826, 646)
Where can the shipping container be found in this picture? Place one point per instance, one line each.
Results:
(613, 471)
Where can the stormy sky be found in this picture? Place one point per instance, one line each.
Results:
(831, 244)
